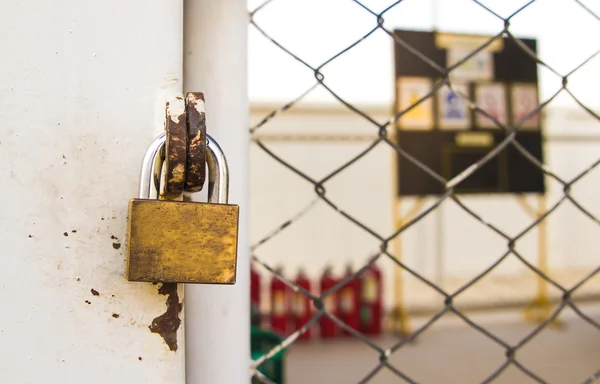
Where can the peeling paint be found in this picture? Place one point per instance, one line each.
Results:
(175, 148)
(196, 100)
(196, 150)
(167, 324)
(176, 109)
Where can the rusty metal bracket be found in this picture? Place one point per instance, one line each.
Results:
(185, 147)
(196, 150)
(175, 148)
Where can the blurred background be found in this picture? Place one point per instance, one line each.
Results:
(515, 324)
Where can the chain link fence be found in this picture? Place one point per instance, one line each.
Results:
(385, 137)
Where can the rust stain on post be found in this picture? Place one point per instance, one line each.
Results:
(175, 148)
(167, 324)
(196, 151)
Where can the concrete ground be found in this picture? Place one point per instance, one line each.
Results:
(452, 352)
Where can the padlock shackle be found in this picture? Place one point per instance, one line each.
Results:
(152, 168)
(218, 171)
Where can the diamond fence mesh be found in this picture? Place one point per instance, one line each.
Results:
(384, 136)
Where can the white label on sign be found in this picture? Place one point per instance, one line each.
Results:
(478, 67)
(299, 304)
(279, 303)
(492, 99)
(410, 91)
(347, 300)
(453, 110)
(524, 101)
(369, 289)
(329, 302)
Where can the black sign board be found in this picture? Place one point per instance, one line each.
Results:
(445, 134)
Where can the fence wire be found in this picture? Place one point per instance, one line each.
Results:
(383, 138)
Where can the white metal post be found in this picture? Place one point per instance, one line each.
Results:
(83, 87)
(215, 62)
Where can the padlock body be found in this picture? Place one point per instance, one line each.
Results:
(182, 242)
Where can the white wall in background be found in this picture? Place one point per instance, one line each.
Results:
(365, 190)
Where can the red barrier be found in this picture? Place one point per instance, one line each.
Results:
(371, 301)
(349, 302)
(255, 294)
(279, 305)
(301, 305)
(328, 328)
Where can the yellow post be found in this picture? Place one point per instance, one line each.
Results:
(540, 307)
(399, 319)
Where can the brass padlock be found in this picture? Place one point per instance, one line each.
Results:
(182, 241)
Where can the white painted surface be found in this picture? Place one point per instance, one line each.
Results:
(218, 317)
(82, 92)
(175, 109)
